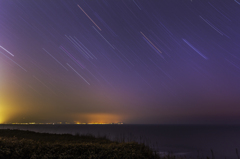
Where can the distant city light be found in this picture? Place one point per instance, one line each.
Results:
(61, 123)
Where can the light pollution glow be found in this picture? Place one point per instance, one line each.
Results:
(105, 61)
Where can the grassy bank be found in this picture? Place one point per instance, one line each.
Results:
(27, 144)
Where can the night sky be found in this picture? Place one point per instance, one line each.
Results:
(130, 61)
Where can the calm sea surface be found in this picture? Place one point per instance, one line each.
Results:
(189, 140)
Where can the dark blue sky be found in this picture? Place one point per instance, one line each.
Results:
(134, 61)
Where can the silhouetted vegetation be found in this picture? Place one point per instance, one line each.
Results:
(21, 144)
(27, 144)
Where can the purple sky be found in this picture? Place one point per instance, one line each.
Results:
(131, 61)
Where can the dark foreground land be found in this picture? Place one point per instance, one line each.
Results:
(19, 144)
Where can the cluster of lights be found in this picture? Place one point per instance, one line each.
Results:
(98, 123)
(95, 123)
(31, 123)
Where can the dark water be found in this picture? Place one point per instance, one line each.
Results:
(189, 140)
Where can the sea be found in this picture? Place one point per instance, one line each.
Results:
(192, 141)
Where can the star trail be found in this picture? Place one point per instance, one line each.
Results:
(132, 61)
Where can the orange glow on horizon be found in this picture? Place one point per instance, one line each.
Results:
(97, 123)
(1, 120)
(97, 118)
(9, 112)
(3, 114)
